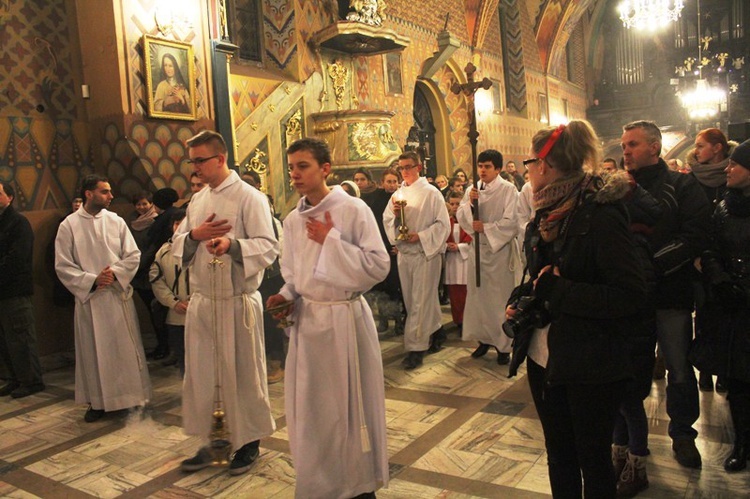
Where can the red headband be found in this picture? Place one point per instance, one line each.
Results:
(551, 142)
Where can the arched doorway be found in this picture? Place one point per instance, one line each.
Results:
(422, 133)
(429, 133)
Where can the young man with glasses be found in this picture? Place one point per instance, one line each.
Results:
(229, 221)
(419, 258)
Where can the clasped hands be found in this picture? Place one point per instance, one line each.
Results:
(105, 278)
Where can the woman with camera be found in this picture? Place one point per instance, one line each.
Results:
(587, 286)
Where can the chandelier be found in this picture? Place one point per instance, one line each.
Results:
(703, 102)
(649, 14)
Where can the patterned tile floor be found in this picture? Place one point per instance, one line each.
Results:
(457, 428)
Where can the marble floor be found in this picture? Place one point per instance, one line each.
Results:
(457, 428)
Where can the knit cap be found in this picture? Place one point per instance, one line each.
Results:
(741, 155)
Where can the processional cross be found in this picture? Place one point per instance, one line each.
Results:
(469, 89)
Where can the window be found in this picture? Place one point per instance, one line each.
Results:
(247, 29)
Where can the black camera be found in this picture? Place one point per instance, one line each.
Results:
(530, 314)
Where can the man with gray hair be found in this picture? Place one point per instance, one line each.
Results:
(678, 238)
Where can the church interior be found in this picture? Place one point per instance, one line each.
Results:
(79, 94)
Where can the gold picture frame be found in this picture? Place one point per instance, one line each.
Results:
(170, 96)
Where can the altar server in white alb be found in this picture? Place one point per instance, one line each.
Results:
(419, 257)
(96, 258)
(335, 401)
(500, 264)
(228, 220)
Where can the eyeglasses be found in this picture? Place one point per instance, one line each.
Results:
(527, 162)
(200, 161)
(407, 167)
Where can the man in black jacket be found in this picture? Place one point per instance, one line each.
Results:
(679, 237)
(20, 368)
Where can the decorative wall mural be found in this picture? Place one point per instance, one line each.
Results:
(170, 79)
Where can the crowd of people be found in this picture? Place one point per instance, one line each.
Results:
(578, 267)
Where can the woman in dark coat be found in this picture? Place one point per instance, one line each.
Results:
(726, 269)
(588, 286)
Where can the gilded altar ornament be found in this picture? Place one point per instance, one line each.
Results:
(722, 58)
(738, 62)
(689, 63)
(367, 12)
(706, 40)
(256, 163)
(339, 74)
(272, 108)
(371, 141)
(287, 90)
(705, 61)
(254, 126)
(294, 126)
(733, 88)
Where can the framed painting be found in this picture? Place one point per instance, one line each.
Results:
(170, 79)
(392, 72)
(497, 100)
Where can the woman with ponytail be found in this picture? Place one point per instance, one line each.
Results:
(585, 286)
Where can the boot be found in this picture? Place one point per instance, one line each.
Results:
(274, 372)
(660, 370)
(633, 478)
(619, 458)
(737, 460)
(398, 327)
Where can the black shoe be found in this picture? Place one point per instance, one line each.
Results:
(721, 384)
(706, 382)
(412, 360)
(8, 388)
(25, 391)
(686, 453)
(244, 458)
(436, 341)
(203, 459)
(481, 350)
(92, 415)
(503, 358)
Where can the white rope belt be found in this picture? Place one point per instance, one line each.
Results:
(364, 434)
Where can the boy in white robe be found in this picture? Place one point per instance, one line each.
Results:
(335, 401)
(419, 257)
(500, 263)
(230, 221)
(96, 258)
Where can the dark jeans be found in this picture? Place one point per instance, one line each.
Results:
(578, 421)
(674, 330)
(177, 345)
(18, 351)
(157, 314)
